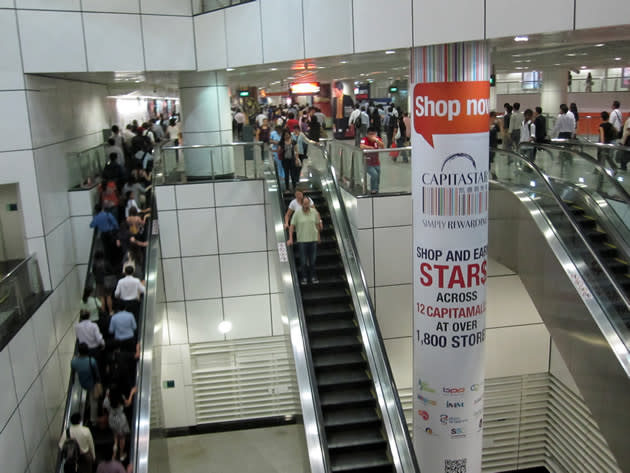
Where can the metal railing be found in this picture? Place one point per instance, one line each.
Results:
(179, 164)
(513, 170)
(21, 293)
(85, 166)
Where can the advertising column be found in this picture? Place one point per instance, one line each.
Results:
(450, 86)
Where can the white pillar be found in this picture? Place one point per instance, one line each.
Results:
(206, 120)
(554, 90)
(450, 237)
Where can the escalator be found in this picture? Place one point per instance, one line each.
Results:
(561, 225)
(353, 420)
(138, 366)
(353, 424)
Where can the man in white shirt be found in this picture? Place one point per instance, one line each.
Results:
(353, 118)
(239, 118)
(516, 120)
(528, 132)
(295, 205)
(565, 124)
(129, 289)
(84, 439)
(88, 332)
(259, 119)
(615, 117)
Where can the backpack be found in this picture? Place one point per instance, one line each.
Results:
(357, 121)
(71, 451)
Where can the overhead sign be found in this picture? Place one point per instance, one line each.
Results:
(393, 90)
(450, 271)
(304, 88)
(243, 93)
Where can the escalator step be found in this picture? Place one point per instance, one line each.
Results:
(344, 342)
(327, 309)
(596, 235)
(329, 266)
(342, 377)
(347, 397)
(334, 326)
(343, 418)
(316, 292)
(366, 461)
(342, 439)
(334, 360)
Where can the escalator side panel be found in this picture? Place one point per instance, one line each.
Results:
(578, 327)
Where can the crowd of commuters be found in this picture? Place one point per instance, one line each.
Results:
(107, 338)
(516, 127)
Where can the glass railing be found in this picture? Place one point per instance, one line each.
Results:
(205, 6)
(21, 293)
(179, 164)
(529, 182)
(85, 166)
(363, 172)
(397, 434)
(583, 171)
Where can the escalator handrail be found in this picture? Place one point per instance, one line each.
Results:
(141, 422)
(603, 170)
(318, 457)
(565, 210)
(404, 461)
(591, 144)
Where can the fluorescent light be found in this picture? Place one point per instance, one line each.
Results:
(225, 326)
(343, 62)
(599, 45)
(617, 59)
(390, 52)
(583, 67)
(521, 38)
(229, 69)
(273, 69)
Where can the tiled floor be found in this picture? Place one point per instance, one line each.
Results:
(266, 450)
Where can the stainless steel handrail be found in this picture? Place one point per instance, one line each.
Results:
(571, 219)
(18, 267)
(590, 144)
(398, 437)
(139, 447)
(307, 381)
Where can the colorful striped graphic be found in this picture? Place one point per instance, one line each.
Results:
(453, 62)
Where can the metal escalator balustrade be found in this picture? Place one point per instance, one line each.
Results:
(581, 229)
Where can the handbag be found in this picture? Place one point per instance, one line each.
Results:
(394, 154)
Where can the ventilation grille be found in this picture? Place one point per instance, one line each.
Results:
(243, 379)
(574, 439)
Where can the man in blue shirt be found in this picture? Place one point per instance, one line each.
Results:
(123, 326)
(86, 369)
(107, 226)
(274, 139)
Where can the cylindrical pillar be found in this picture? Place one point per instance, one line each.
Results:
(554, 90)
(450, 109)
(206, 120)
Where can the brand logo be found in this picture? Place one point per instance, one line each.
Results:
(429, 430)
(453, 391)
(457, 432)
(443, 419)
(424, 386)
(455, 404)
(446, 419)
(476, 387)
(426, 401)
(423, 414)
(458, 190)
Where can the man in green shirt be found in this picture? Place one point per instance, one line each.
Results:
(307, 223)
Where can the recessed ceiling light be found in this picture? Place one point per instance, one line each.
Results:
(557, 64)
(229, 69)
(321, 67)
(273, 69)
(390, 52)
(571, 54)
(599, 45)
(521, 38)
(225, 326)
(583, 67)
(343, 62)
(617, 59)
(362, 74)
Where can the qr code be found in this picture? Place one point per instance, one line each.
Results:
(455, 466)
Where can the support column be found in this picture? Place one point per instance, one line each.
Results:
(206, 120)
(554, 90)
(450, 109)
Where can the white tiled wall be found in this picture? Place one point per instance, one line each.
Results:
(16, 131)
(397, 18)
(174, 51)
(243, 35)
(112, 6)
(283, 39)
(333, 17)
(447, 21)
(210, 41)
(121, 50)
(166, 7)
(558, 17)
(10, 62)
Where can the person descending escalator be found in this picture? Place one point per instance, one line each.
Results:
(307, 223)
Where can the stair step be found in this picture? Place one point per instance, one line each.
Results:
(327, 309)
(342, 377)
(342, 342)
(365, 461)
(324, 326)
(354, 438)
(333, 360)
(350, 418)
(347, 397)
